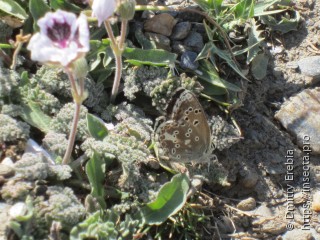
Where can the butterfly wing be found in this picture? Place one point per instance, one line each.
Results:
(186, 136)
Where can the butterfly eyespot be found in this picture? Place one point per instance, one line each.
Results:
(186, 119)
(196, 138)
(189, 130)
(176, 132)
(178, 156)
(195, 122)
(187, 134)
(190, 109)
(173, 151)
(175, 141)
(186, 112)
(177, 145)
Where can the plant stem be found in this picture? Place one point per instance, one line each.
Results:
(15, 56)
(72, 136)
(117, 48)
(77, 97)
(124, 25)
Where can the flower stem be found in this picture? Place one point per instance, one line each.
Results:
(78, 98)
(117, 78)
(118, 74)
(72, 136)
(124, 25)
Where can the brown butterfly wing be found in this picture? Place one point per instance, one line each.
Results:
(186, 136)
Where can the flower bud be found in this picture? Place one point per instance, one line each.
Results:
(80, 68)
(126, 9)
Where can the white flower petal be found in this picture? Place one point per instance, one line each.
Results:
(60, 47)
(103, 9)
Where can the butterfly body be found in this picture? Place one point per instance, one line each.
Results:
(185, 134)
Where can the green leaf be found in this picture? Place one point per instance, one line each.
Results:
(95, 170)
(171, 198)
(226, 56)
(65, 5)
(253, 40)
(32, 114)
(208, 73)
(153, 57)
(38, 8)
(96, 127)
(143, 41)
(244, 9)
(284, 25)
(13, 8)
(99, 51)
(260, 8)
(259, 66)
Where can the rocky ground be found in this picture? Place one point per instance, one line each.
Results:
(279, 120)
(273, 170)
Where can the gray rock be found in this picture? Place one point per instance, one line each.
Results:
(300, 116)
(181, 30)
(188, 60)
(194, 41)
(6, 171)
(199, 27)
(161, 41)
(178, 47)
(147, 14)
(310, 66)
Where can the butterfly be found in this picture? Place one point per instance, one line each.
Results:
(184, 135)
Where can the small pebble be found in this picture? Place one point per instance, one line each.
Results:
(7, 161)
(299, 198)
(178, 47)
(147, 14)
(188, 60)
(310, 66)
(250, 180)
(247, 204)
(6, 171)
(194, 41)
(181, 30)
(162, 23)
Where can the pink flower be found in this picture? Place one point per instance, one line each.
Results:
(62, 39)
(103, 9)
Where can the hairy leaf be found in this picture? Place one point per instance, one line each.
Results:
(153, 57)
(259, 66)
(32, 114)
(253, 40)
(286, 24)
(96, 127)
(95, 169)
(171, 198)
